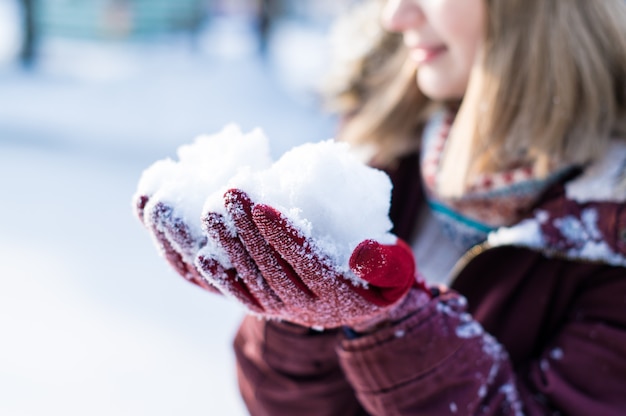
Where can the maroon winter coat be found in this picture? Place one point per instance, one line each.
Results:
(537, 330)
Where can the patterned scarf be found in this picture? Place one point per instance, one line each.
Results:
(491, 201)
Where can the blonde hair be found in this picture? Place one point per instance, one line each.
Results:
(381, 106)
(551, 90)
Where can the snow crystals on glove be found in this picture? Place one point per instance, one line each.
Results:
(202, 168)
(328, 193)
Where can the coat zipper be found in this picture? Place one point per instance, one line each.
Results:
(466, 258)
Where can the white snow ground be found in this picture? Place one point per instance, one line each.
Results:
(92, 320)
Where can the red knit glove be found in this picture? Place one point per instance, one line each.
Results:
(278, 273)
(174, 238)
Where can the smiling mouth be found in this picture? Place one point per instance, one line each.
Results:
(422, 55)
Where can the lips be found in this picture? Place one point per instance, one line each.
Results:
(424, 54)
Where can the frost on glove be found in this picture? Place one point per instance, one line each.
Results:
(174, 238)
(307, 241)
(170, 194)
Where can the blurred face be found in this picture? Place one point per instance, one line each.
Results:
(443, 38)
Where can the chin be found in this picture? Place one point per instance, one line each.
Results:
(439, 88)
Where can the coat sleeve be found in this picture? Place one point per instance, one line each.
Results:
(441, 361)
(438, 361)
(285, 369)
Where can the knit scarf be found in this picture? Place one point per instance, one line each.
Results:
(491, 200)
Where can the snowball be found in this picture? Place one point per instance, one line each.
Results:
(203, 167)
(335, 199)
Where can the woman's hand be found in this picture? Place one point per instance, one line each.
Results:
(277, 272)
(171, 193)
(173, 237)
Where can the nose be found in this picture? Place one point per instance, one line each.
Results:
(401, 15)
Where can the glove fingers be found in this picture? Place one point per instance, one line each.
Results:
(247, 270)
(158, 221)
(226, 280)
(277, 272)
(140, 205)
(206, 285)
(175, 260)
(161, 217)
(181, 236)
(315, 270)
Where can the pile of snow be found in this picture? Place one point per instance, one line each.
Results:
(328, 192)
(324, 189)
(203, 168)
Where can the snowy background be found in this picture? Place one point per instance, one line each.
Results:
(92, 320)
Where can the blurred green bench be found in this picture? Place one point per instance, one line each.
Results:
(117, 18)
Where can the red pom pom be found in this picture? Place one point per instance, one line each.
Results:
(389, 270)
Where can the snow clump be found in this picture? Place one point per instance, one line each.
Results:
(203, 167)
(327, 192)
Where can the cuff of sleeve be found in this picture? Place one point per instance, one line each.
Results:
(288, 348)
(404, 352)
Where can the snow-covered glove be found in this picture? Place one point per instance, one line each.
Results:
(174, 238)
(171, 193)
(278, 272)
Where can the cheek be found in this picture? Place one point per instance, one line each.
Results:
(462, 26)
(459, 24)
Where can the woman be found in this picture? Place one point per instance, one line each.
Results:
(502, 124)
(528, 194)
